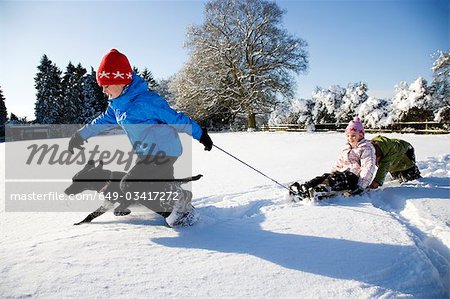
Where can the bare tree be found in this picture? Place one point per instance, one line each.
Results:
(242, 59)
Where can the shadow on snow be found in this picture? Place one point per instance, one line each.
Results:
(382, 265)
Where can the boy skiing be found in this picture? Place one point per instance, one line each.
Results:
(152, 126)
(353, 171)
(395, 156)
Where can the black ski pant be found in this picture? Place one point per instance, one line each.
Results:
(337, 180)
(150, 183)
(410, 173)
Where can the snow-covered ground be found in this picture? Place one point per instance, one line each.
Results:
(250, 241)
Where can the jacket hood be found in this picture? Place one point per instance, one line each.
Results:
(131, 91)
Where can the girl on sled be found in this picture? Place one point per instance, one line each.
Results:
(353, 171)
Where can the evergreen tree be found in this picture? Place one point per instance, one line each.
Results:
(3, 111)
(71, 108)
(95, 101)
(136, 71)
(148, 77)
(13, 118)
(49, 90)
(3, 114)
(80, 74)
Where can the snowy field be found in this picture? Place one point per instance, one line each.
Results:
(250, 241)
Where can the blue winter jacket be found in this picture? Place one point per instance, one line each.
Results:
(149, 122)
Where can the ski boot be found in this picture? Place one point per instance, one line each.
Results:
(410, 174)
(123, 212)
(323, 191)
(183, 213)
(298, 192)
(180, 218)
(320, 191)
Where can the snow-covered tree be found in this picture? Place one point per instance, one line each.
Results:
(241, 59)
(326, 103)
(201, 96)
(441, 83)
(95, 101)
(280, 115)
(413, 102)
(375, 113)
(49, 90)
(355, 95)
(292, 112)
(163, 88)
(302, 110)
(71, 108)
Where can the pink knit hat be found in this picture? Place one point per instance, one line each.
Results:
(356, 126)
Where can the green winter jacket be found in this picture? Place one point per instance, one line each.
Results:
(391, 156)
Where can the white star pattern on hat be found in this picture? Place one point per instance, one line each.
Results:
(104, 75)
(129, 75)
(118, 75)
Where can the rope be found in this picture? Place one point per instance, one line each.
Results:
(251, 167)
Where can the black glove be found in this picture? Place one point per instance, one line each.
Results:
(358, 190)
(76, 141)
(206, 140)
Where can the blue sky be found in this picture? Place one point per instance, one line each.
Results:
(379, 42)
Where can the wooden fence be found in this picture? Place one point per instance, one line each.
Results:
(401, 127)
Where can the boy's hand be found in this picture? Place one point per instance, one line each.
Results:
(76, 141)
(374, 185)
(206, 140)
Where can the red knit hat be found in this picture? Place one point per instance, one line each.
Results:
(114, 69)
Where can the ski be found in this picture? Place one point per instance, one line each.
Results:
(314, 195)
(311, 195)
(182, 180)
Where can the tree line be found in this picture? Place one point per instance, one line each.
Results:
(72, 97)
(242, 63)
(418, 101)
